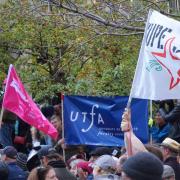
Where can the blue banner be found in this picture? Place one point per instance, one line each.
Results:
(96, 120)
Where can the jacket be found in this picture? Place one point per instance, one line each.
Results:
(15, 172)
(172, 161)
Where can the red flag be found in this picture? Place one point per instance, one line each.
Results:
(17, 100)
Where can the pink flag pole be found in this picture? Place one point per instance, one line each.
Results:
(62, 115)
(1, 116)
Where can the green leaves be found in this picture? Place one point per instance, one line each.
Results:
(62, 53)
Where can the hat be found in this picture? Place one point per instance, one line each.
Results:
(36, 145)
(10, 152)
(142, 166)
(171, 144)
(44, 151)
(21, 160)
(168, 172)
(86, 166)
(101, 151)
(105, 162)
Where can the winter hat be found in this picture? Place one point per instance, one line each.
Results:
(142, 166)
(22, 160)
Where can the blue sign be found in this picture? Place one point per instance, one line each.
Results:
(96, 120)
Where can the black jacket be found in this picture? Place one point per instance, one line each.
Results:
(172, 161)
(173, 117)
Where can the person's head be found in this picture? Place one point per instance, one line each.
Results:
(170, 148)
(72, 164)
(52, 157)
(42, 153)
(168, 173)
(154, 149)
(84, 168)
(3, 171)
(120, 163)
(142, 166)
(159, 119)
(42, 173)
(57, 123)
(8, 154)
(104, 165)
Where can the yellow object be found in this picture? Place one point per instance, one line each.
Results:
(150, 122)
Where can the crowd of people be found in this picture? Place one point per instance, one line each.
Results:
(26, 153)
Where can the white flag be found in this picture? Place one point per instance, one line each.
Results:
(157, 75)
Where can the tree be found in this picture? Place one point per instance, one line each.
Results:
(75, 47)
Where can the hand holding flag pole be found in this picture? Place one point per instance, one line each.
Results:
(126, 128)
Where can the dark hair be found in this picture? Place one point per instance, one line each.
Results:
(42, 172)
(54, 156)
(154, 149)
(39, 173)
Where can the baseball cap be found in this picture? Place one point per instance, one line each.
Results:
(105, 162)
(168, 172)
(9, 151)
(171, 144)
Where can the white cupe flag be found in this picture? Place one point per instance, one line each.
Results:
(157, 75)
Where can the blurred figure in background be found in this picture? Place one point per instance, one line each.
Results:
(42, 173)
(161, 130)
(170, 150)
(173, 118)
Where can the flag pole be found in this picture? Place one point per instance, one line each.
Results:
(128, 134)
(1, 116)
(62, 115)
(151, 141)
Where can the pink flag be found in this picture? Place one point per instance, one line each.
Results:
(17, 100)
